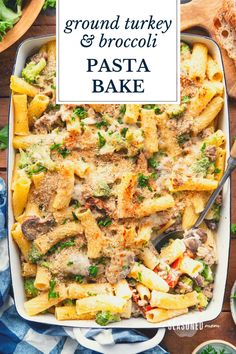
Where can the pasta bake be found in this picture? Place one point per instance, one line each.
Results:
(93, 185)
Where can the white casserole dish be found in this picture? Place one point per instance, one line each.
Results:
(29, 47)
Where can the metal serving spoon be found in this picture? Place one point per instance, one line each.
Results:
(159, 241)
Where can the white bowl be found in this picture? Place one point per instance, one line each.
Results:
(26, 49)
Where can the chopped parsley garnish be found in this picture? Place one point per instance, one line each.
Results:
(80, 112)
(101, 140)
(122, 109)
(30, 289)
(217, 171)
(102, 123)
(63, 151)
(105, 222)
(93, 271)
(185, 99)
(37, 169)
(139, 276)
(182, 139)
(124, 132)
(140, 198)
(79, 278)
(143, 181)
(66, 244)
(60, 246)
(153, 163)
(203, 148)
(70, 263)
(75, 218)
(76, 204)
(52, 294)
(148, 106)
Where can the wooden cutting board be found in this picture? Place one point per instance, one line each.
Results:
(201, 13)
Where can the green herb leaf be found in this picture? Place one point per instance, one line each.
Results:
(182, 139)
(105, 222)
(153, 163)
(52, 294)
(101, 140)
(80, 112)
(124, 132)
(103, 123)
(79, 278)
(93, 271)
(185, 99)
(75, 218)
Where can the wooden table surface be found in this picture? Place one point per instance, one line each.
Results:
(176, 341)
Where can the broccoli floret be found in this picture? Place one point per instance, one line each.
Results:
(30, 289)
(207, 273)
(34, 255)
(32, 70)
(184, 48)
(102, 189)
(203, 301)
(8, 17)
(105, 317)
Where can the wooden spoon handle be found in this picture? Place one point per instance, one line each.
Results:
(233, 150)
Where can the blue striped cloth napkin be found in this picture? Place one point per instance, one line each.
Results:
(24, 337)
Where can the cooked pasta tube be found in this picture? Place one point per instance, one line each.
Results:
(23, 244)
(123, 290)
(20, 195)
(149, 258)
(125, 195)
(42, 280)
(97, 303)
(41, 302)
(81, 168)
(46, 241)
(21, 86)
(37, 106)
(198, 62)
(189, 217)
(93, 233)
(190, 266)
(21, 124)
(213, 70)
(148, 278)
(78, 291)
(170, 253)
(197, 184)
(64, 313)
(28, 270)
(65, 185)
(159, 315)
(152, 206)
(143, 291)
(217, 139)
(203, 96)
(220, 163)
(172, 301)
(127, 311)
(149, 127)
(23, 142)
(208, 115)
(132, 113)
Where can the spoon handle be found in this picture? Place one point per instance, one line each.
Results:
(231, 165)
